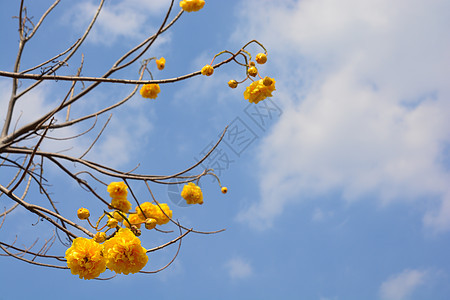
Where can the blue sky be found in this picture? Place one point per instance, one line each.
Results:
(342, 193)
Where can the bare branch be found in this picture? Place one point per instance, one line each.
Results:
(169, 243)
(51, 59)
(171, 261)
(37, 210)
(30, 261)
(24, 161)
(108, 80)
(96, 139)
(36, 27)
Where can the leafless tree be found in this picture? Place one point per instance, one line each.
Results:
(24, 165)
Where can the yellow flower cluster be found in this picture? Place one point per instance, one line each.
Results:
(192, 5)
(192, 193)
(124, 253)
(149, 210)
(259, 90)
(121, 203)
(117, 189)
(85, 258)
(150, 90)
(118, 192)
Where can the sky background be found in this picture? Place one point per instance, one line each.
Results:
(339, 187)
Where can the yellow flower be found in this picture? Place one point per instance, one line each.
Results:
(192, 5)
(134, 219)
(85, 259)
(192, 194)
(117, 189)
(224, 190)
(160, 216)
(261, 58)
(100, 237)
(233, 84)
(153, 211)
(83, 213)
(144, 210)
(161, 63)
(207, 70)
(150, 90)
(257, 91)
(124, 253)
(121, 203)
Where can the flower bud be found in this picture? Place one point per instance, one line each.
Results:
(100, 237)
(267, 81)
(252, 64)
(112, 223)
(83, 213)
(233, 84)
(135, 230)
(224, 190)
(252, 71)
(150, 223)
(161, 63)
(261, 58)
(207, 70)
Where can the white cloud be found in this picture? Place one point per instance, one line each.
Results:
(30, 107)
(126, 19)
(239, 268)
(27, 108)
(119, 143)
(401, 286)
(320, 215)
(365, 91)
(201, 87)
(124, 136)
